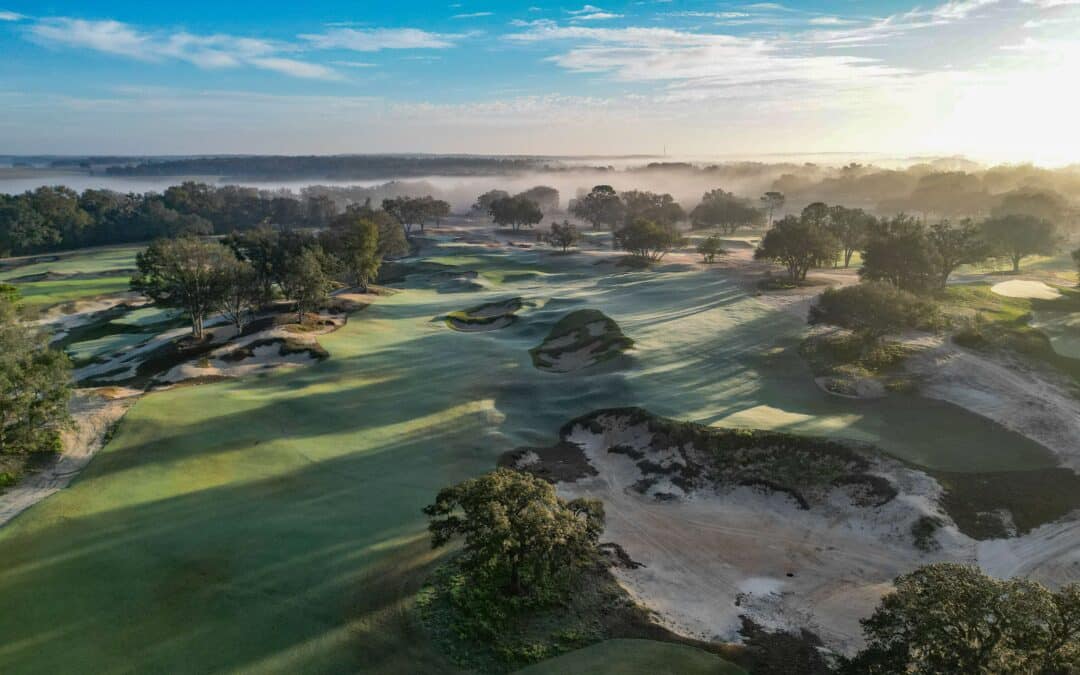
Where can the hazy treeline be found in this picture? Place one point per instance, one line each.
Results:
(339, 167)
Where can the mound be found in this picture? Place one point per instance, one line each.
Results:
(490, 316)
(579, 340)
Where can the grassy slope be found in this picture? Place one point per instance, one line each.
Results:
(56, 291)
(636, 657)
(273, 524)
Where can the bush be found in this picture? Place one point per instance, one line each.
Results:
(875, 309)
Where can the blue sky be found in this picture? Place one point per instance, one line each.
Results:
(981, 77)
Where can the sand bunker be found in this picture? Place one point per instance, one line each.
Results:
(579, 340)
(487, 317)
(1025, 288)
(790, 532)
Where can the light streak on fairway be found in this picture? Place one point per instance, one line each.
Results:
(267, 524)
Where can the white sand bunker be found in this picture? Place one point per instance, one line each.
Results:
(1026, 288)
(487, 317)
(579, 340)
(792, 533)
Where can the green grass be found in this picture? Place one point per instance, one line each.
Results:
(92, 261)
(273, 524)
(55, 292)
(58, 290)
(636, 657)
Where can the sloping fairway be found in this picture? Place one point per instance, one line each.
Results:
(97, 272)
(273, 524)
(636, 657)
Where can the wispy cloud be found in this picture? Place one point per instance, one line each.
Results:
(472, 15)
(204, 51)
(377, 39)
(10, 16)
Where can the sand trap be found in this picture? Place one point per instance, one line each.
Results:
(1025, 288)
(487, 317)
(579, 340)
(712, 555)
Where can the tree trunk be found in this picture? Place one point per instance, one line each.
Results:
(1016, 263)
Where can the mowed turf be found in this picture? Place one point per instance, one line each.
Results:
(109, 265)
(635, 657)
(273, 524)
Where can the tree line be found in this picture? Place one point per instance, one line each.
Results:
(238, 274)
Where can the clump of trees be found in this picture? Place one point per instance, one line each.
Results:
(648, 240)
(951, 618)
(545, 197)
(660, 208)
(601, 207)
(515, 212)
(34, 384)
(772, 201)
(711, 247)
(522, 544)
(1017, 236)
(873, 309)
(416, 211)
(724, 211)
(563, 235)
(799, 244)
(56, 218)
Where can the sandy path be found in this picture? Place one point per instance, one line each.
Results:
(93, 415)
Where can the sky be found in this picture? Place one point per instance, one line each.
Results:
(990, 79)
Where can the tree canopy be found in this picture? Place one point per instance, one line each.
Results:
(725, 211)
(184, 273)
(516, 212)
(647, 240)
(874, 309)
(797, 243)
(652, 206)
(520, 539)
(34, 384)
(601, 207)
(1017, 236)
(711, 247)
(952, 618)
(564, 235)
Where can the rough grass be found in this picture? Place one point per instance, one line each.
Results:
(636, 657)
(487, 314)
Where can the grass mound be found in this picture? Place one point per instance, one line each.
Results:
(579, 340)
(636, 657)
(489, 316)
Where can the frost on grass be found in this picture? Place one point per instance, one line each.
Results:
(579, 340)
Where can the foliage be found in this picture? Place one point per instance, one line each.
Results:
(546, 198)
(564, 235)
(725, 211)
(522, 543)
(956, 245)
(772, 201)
(658, 208)
(1076, 261)
(34, 385)
(850, 227)
(306, 282)
(241, 291)
(412, 211)
(647, 239)
(874, 309)
(798, 244)
(516, 212)
(601, 207)
(54, 218)
(1041, 204)
(354, 240)
(483, 202)
(900, 252)
(1017, 236)
(184, 273)
(710, 248)
(952, 618)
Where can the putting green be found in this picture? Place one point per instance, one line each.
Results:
(58, 290)
(273, 524)
(636, 657)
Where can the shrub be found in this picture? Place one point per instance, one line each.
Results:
(875, 309)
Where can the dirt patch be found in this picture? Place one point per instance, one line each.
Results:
(580, 340)
(562, 462)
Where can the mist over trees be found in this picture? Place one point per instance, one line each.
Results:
(724, 211)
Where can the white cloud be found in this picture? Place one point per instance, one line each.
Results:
(1050, 4)
(10, 16)
(376, 39)
(471, 15)
(597, 16)
(204, 51)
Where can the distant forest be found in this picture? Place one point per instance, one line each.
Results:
(339, 167)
